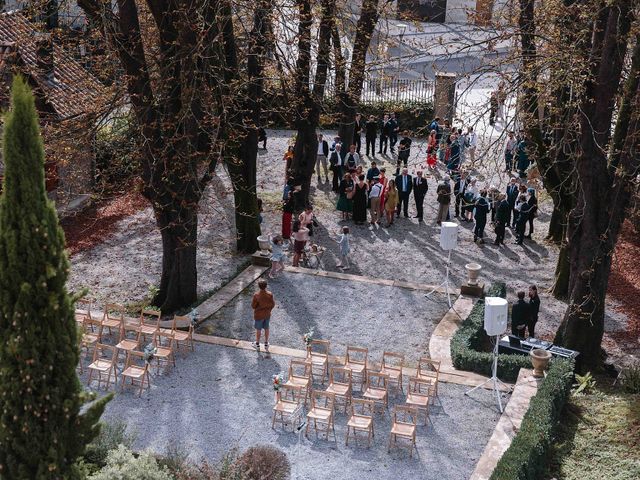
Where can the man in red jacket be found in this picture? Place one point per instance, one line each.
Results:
(262, 305)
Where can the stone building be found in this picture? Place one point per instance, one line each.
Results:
(67, 100)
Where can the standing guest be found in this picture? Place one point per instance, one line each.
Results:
(435, 126)
(454, 154)
(343, 242)
(374, 196)
(522, 156)
(307, 219)
(372, 172)
(336, 162)
(519, 314)
(492, 197)
(385, 131)
(300, 237)
(384, 181)
(462, 143)
(345, 191)
(357, 132)
(391, 202)
(321, 157)
(432, 147)
(288, 158)
(493, 108)
(277, 256)
(351, 159)
(509, 152)
(533, 210)
(480, 215)
(393, 133)
(371, 129)
(445, 132)
(443, 193)
(262, 304)
(420, 189)
(288, 208)
(471, 193)
(336, 141)
(522, 209)
(512, 197)
(404, 151)
(360, 201)
(262, 137)
(472, 143)
(459, 187)
(404, 185)
(534, 309)
(503, 215)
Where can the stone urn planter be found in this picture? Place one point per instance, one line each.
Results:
(264, 245)
(540, 361)
(473, 272)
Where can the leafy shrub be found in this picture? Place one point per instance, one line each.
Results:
(111, 435)
(264, 462)
(526, 458)
(122, 464)
(469, 341)
(175, 458)
(631, 379)
(584, 383)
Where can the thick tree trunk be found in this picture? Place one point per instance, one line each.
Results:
(179, 280)
(557, 227)
(560, 288)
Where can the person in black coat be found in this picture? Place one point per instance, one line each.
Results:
(503, 212)
(522, 208)
(512, 197)
(462, 180)
(393, 134)
(454, 158)
(480, 215)
(371, 129)
(385, 131)
(519, 316)
(336, 160)
(533, 209)
(534, 309)
(404, 151)
(357, 132)
(404, 184)
(420, 189)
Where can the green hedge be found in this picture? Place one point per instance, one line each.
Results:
(526, 458)
(470, 344)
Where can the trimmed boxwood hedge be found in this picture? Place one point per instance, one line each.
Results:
(526, 457)
(470, 343)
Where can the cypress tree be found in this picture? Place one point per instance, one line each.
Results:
(42, 432)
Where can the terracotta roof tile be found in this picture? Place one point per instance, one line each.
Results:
(72, 91)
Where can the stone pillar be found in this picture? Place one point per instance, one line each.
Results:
(445, 95)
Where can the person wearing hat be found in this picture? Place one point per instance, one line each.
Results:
(375, 192)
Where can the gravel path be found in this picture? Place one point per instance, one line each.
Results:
(219, 398)
(345, 312)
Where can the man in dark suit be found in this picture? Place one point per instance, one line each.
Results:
(512, 196)
(336, 160)
(321, 157)
(385, 131)
(503, 211)
(393, 134)
(404, 184)
(420, 188)
(519, 316)
(371, 129)
(357, 132)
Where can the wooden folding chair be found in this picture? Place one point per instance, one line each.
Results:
(181, 337)
(163, 342)
(418, 396)
(136, 369)
(129, 337)
(392, 364)
(149, 322)
(300, 376)
(318, 356)
(340, 385)
(288, 407)
(404, 425)
(104, 363)
(356, 361)
(361, 419)
(321, 412)
(91, 335)
(377, 388)
(429, 370)
(83, 310)
(113, 316)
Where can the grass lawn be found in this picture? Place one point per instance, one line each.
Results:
(599, 438)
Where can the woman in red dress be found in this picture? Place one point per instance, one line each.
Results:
(432, 148)
(383, 181)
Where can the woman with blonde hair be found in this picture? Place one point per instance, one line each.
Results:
(432, 148)
(391, 201)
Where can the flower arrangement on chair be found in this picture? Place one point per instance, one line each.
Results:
(307, 338)
(278, 379)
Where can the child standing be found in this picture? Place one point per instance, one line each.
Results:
(343, 242)
(277, 256)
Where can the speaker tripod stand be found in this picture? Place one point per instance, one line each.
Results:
(445, 283)
(494, 378)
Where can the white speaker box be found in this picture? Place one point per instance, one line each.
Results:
(448, 235)
(495, 315)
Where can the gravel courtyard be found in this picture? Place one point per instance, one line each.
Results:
(344, 312)
(219, 398)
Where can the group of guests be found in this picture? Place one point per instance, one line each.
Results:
(524, 315)
(515, 154)
(449, 145)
